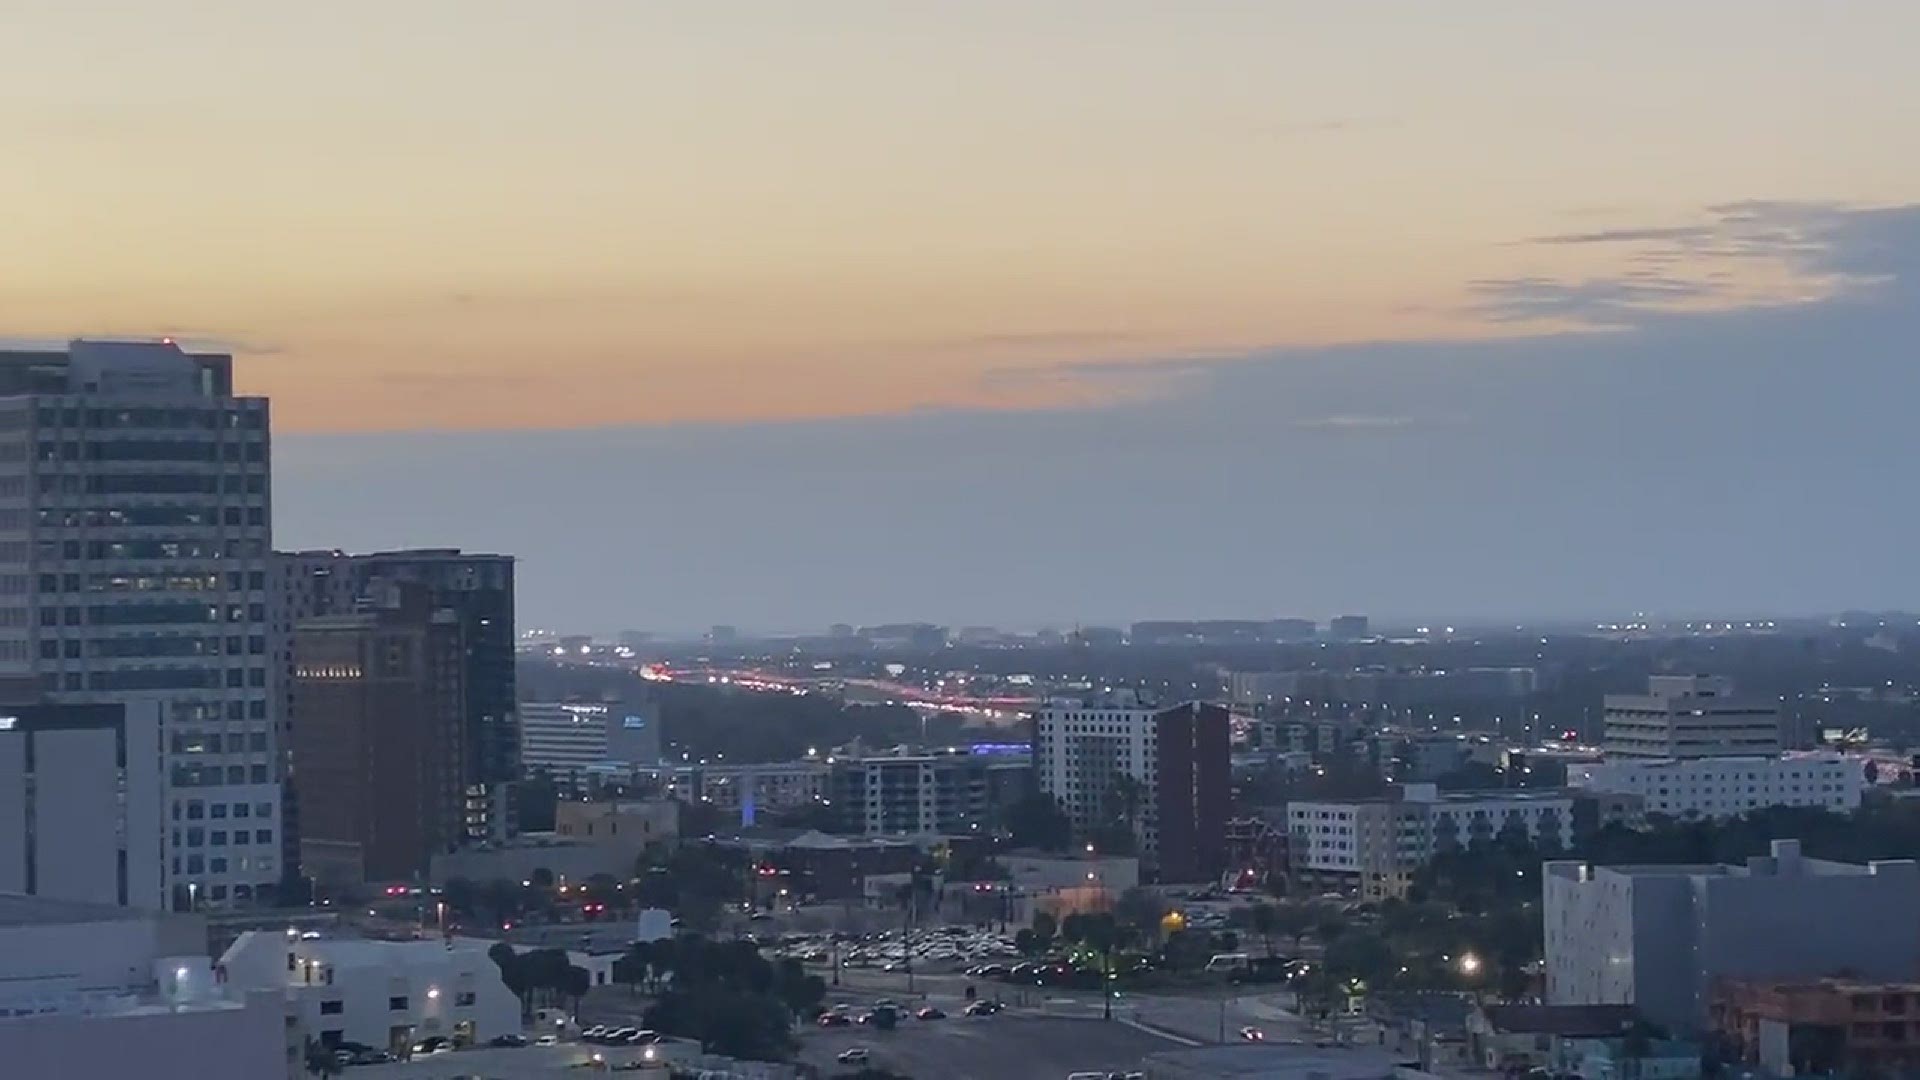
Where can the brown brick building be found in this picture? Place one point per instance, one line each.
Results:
(379, 738)
(1823, 1026)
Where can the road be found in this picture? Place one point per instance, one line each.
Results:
(989, 1048)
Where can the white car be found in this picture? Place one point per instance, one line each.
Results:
(547, 1040)
(856, 1055)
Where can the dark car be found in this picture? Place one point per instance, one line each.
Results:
(931, 1013)
(505, 1041)
(432, 1044)
(832, 1019)
(983, 1008)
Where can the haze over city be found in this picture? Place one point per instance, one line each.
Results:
(962, 312)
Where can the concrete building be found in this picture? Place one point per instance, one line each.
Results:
(1655, 937)
(1721, 787)
(82, 806)
(1348, 628)
(379, 745)
(135, 527)
(571, 738)
(92, 990)
(1690, 716)
(924, 794)
(742, 789)
(1376, 845)
(479, 590)
(1097, 755)
(385, 994)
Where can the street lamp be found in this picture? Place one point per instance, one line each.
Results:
(1469, 965)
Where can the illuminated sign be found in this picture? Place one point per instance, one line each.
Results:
(8, 723)
(634, 723)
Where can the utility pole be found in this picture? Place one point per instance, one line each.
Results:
(1223, 1020)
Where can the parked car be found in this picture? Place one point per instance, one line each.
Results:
(931, 1013)
(854, 1055)
(983, 1008)
(509, 1040)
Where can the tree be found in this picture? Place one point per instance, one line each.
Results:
(1044, 929)
(632, 968)
(1139, 911)
(1293, 920)
(1036, 821)
(320, 1060)
(542, 877)
(461, 896)
(575, 984)
(514, 973)
(1265, 923)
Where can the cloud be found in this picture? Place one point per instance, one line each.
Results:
(1739, 255)
(1356, 422)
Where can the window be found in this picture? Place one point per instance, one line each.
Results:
(328, 1008)
(396, 1004)
(263, 836)
(464, 997)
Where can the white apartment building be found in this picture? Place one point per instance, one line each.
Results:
(1080, 744)
(1722, 787)
(81, 805)
(1689, 716)
(135, 533)
(1376, 845)
(386, 994)
(93, 990)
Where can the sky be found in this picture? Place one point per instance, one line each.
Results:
(781, 314)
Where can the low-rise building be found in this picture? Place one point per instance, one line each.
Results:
(384, 994)
(1690, 716)
(94, 990)
(1376, 845)
(1515, 1038)
(924, 793)
(1836, 1027)
(1721, 787)
(1655, 937)
(630, 825)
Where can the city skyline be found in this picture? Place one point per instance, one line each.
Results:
(734, 314)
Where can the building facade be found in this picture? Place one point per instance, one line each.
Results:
(1115, 757)
(135, 529)
(379, 746)
(923, 794)
(1721, 787)
(93, 990)
(1823, 1027)
(82, 804)
(1656, 937)
(479, 590)
(570, 738)
(1375, 846)
(1690, 716)
(384, 994)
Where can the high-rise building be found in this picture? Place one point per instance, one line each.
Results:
(1723, 787)
(570, 738)
(81, 805)
(1690, 716)
(1116, 758)
(379, 739)
(478, 590)
(135, 510)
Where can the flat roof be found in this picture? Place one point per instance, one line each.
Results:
(18, 909)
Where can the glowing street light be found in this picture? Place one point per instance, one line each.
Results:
(1469, 964)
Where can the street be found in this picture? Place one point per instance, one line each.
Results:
(989, 1048)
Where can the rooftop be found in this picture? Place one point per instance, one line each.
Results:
(1570, 1021)
(17, 909)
